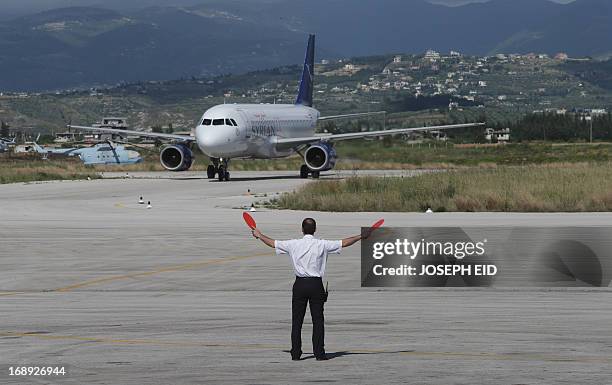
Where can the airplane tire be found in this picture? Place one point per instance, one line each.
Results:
(304, 171)
(210, 172)
(315, 175)
(221, 174)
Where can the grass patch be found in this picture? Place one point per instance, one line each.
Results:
(30, 169)
(562, 187)
(378, 155)
(353, 155)
(427, 154)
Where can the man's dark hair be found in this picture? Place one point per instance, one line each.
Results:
(309, 226)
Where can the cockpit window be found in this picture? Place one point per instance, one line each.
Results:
(206, 122)
(218, 122)
(233, 121)
(228, 122)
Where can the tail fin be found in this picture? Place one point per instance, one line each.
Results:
(306, 84)
(37, 147)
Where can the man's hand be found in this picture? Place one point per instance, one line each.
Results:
(352, 240)
(256, 233)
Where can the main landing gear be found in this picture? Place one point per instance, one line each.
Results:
(218, 168)
(305, 171)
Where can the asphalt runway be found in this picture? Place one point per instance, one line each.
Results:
(180, 294)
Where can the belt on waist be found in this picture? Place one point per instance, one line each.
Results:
(296, 277)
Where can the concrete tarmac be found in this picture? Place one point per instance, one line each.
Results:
(181, 294)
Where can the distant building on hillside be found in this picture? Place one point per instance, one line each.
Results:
(497, 136)
(109, 122)
(432, 55)
(598, 111)
(66, 137)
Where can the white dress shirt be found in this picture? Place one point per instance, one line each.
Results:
(309, 254)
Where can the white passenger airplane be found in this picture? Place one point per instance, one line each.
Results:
(263, 131)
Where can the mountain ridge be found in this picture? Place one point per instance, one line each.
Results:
(83, 46)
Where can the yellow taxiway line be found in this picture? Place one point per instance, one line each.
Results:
(112, 278)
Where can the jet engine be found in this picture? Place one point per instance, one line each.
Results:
(320, 157)
(176, 157)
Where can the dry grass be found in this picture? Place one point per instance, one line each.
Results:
(29, 169)
(582, 187)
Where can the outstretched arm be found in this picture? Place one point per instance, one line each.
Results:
(267, 240)
(346, 242)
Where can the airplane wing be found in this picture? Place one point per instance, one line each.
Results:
(357, 115)
(293, 142)
(184, 138)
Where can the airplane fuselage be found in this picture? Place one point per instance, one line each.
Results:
(249, 130)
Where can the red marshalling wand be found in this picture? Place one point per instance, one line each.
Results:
(377, 225)
(249, 220)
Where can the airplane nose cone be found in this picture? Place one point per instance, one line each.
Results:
(214, 140)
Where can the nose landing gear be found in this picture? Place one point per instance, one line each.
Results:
(218, 168)
(224, 175)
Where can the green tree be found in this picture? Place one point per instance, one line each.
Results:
(4, 129)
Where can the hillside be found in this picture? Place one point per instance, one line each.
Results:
(502, 88)
(84, 46)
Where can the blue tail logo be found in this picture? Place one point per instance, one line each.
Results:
(306, 84)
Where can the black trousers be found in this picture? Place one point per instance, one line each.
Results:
(308, 290)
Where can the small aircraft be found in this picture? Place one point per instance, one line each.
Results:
(101, 153)
(263, 131)
(5, 143)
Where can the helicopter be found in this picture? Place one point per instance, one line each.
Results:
(108, 153)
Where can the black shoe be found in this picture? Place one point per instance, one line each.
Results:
(322, 358)
(296, 357)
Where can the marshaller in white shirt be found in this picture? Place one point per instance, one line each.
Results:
(309, 254)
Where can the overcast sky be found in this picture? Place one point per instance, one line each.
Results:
(30, 6)
(460, 2)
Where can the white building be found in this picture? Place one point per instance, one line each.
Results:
(498, 136)
(432, 55)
